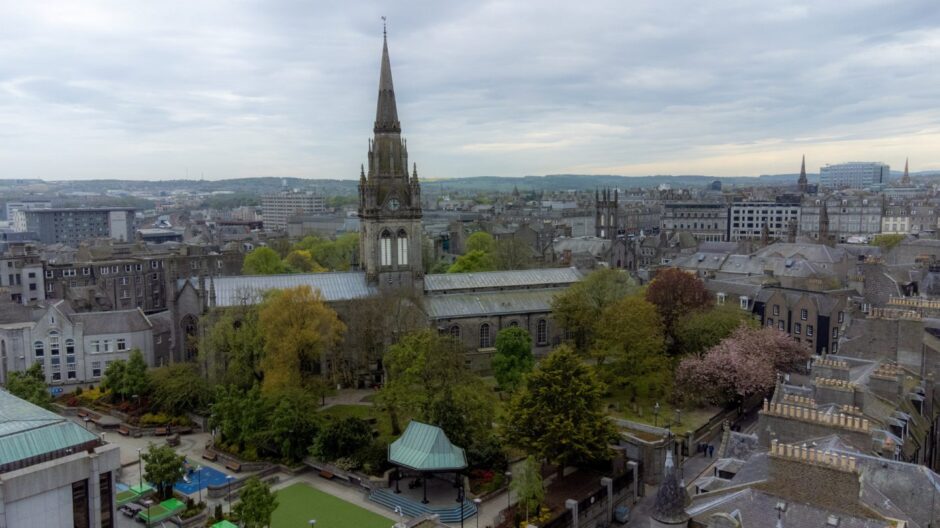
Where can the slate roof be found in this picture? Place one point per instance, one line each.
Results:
(334, 286)
(27, 430)
(489, 303)
(492, 280)
(425, 447)
(114, 322)
(758, 508)
(590, 245)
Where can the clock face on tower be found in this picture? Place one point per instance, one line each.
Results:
(393, 204)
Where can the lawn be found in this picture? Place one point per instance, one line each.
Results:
(299, 503)
(364, 412)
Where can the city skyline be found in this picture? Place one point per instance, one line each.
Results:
(288, 90)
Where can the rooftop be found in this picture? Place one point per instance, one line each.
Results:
(442, 283)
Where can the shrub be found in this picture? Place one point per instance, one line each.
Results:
(154, 419)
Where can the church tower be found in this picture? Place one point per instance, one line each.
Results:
(803, 183)
(389, 199)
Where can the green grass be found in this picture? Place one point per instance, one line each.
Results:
(364, 412)
(642, 411)
(298, 503)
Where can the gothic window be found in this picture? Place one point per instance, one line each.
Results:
(402, 248)
(69, 346)
(455, 331)
(385, 248)
(541, 332)
(39, 349)
(484, 335)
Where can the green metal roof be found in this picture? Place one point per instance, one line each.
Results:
(27, 430)
(426, 448)
(224, 524)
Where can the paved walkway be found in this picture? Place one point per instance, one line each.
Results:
(349, 397)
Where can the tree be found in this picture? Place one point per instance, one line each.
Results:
(513, 253)
(291, 423)
(114, 378)
(263, 261)
(630, 335)
(136, 377)
(31, 386)
(677, 293)
(299, 329)
(162, 468)
(231, 349)
(301, 261)
(473, 261)
(706, 328)
(578, 308)
(239, 415)
(342, 438)
(426, 380)
(558, 415)
(743, 364)
(480, 241)
(179, 388)
(513, 357)
(336, 255)
(256, 504)
(887, 242)
(528, 487)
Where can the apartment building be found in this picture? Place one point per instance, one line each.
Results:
(72, 226)
(277, 207)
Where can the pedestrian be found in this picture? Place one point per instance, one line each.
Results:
(711, 451)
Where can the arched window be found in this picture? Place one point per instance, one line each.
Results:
(69, 346)
(54, 343)
(455, 331)
(402, 248)
(514, 324)
(541, 332)
(39, 350)
(385, 248)
(484, 335)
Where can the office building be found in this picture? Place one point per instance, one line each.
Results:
(756, 220)
(53, 471)
(854, 175)
(707, 222)
(71, 226)
(23, 205)
(277, 207)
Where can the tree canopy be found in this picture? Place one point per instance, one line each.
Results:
(179, 388)
(162, 468)
(128, 378)
(30, 385)
(742, 364)
(513, 358)
(676, 293)
(558, 415)
(232, 348)
(480, 241)
(473, 261)
(701, 330)
(299, 328)
(256, 504)
(263, 261)
(578, 308)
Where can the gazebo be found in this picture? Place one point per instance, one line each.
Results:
(425, 448)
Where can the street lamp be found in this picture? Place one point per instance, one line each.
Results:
(656, 415)
(312, 522)
(148, 503)
(140, 472)
(508, 491)
(478, 501)
(199, 477)
(86, 419)
(230, 478)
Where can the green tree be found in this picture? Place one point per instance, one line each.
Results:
(239, 415)
(706, 328)
(513, 358)
(336, 255)
(115, 378)
(256, 504)
(480, 241)
(30, 385)
(527, 486)
(232, 348)
(342, 438)
(162, 468)
(578, 308)
(513, 254)
(301, 261)
(630, 335)
(428, 381)
(291, 423)
(474, 261)
(558, 415)
(179, 388)
(887, 242)
(136, 376)
(263, 261)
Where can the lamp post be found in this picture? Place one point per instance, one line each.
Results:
(199, 477)
(86, 419)
(508, 491)
(478, 501)
(140, 471)
(148, 503)
(656, 415)
(312, 522)
(230, 478)
(460, 499)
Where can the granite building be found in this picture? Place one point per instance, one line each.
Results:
(72, 226)
(706, 221)
(279, 206)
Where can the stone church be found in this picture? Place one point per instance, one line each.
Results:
(472, 307)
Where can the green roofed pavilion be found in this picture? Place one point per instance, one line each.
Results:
(425, 447)
(224, 524)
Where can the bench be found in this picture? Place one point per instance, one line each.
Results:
(160, 431)
(173, 441)
(211, 456)
(82, 414)
(234, 466)
(326, 474)
(124, 431)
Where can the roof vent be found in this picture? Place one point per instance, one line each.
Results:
(832, 521)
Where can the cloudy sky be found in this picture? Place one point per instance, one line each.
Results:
(239, 88)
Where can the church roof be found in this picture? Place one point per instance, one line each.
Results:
(489, 303)
(334, 286)
(494, 280)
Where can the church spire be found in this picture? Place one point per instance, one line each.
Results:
(906, 179)
(802, 183)
(386, 112)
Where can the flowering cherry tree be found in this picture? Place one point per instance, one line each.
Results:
(744, 363)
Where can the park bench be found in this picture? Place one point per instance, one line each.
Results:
(211, 456)
(124, 430)
(326, 474)
(173, 441)
(160, 431)
(82, 414)
(234, 466)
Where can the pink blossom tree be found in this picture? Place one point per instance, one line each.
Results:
(744, 363)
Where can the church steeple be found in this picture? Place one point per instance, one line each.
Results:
(906, 179)
(386, 111)
(802, 182)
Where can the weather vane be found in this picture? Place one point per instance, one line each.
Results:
(384, 34)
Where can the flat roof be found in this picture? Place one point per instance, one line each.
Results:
(27, 430)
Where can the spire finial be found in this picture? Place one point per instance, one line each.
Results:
(384, 28)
